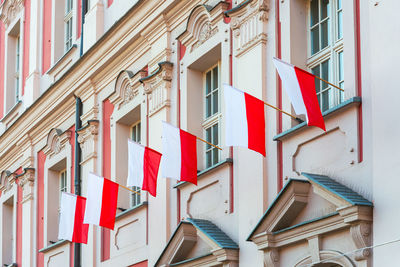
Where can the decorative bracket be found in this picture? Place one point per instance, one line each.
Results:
(361, 234)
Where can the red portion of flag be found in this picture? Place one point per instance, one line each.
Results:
(255, 123)
(109, 204)
(81, 230)
(151, 164)
(188, 157)
(307, 87)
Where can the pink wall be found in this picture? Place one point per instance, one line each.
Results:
(27, 22)
(46, 55)
(40, 211)
(110, 2)
(79, 21)
(2, 41)
(107, 111)
(140, 264)
(19, 220)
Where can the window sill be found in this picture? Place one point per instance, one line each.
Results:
(354, 101)
(11, 111)
(131, 210)
(53, 246)
(61, 63)
(208, 170)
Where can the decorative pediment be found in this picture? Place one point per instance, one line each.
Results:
(249, 24)
(5, 178)
(202, 24)
(127, 87)
(198, 242)
(9, 10)
(56, 140)
(307, 209)
(158, 87)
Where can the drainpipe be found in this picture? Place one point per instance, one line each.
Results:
(78, 153)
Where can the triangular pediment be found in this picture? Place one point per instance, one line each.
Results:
(303, 201)
(196, 240)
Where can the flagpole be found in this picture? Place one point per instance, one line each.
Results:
(284, 112)
(337, 87)
(127, 188)
(208, 143)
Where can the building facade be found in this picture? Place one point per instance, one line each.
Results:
(79, 78)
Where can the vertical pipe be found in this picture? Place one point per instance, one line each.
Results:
(78, 125)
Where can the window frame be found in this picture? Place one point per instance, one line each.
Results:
(214, 118)
(330, 52)
(135, 198)
(68, 25)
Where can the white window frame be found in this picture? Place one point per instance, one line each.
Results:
(68, 25)
(135, 199)
(17, 67)
(331, 53)
(213, 119)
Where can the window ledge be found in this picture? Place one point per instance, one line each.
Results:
(354, 101)
(53, 69)
(11, 114)
(210, 169)
(131, 210)
(53, 246)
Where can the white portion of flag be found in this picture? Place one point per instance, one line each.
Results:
(171, 150)
(94, 199)
(135, 164)
(291, 84)
(67, 216)
(236, 131)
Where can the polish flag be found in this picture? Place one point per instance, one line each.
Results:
(179, 160)
(101, 203)
(143, 167)
(71, 226)
(245, 120)
(300, 86)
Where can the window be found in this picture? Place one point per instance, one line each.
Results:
(17, 67)
(136, 136)
(326, 50)
(212, 115)
(68, 25)
(13, 66)
(63, 181)
(8, 241)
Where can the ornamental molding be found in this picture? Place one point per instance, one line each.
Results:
(202, 24)
(271, 257)
(9, 10)
(127, 87)
(249, 25)
(56, 141)
(6, 179)
(26, 181)
(87, 139)
(361, 234)
(158, 87)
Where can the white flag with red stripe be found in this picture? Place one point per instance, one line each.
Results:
(300, 86)
(179, 154)
(245, 120)
(101, 203)
(71, 226)
(143, 166)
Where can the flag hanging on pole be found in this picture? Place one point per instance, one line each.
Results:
(244, 120)
(71, 226)
(179, 154)
(143, 165)
(101, 203)
(300, 86)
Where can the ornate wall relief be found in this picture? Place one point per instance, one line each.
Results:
(158, 87)
(6, 178)
(249, 25)
(9, 10)
(202, 25)
(88, 137)
(127, 87)
(26, 181)
(56, 141)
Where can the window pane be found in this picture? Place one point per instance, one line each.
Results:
(341, 71)
(208, 159)
(215, 102)
(134, 136)
(138, 133)
(315, 71)
(324, 34)
(314, 12)
(215, 77)
(325, 100)
(215, 134)
(315, 40)
(340, 25)
(208, 82)
(325, 73)
(324, 9)
(215, 156)
(208, 137)
(208, 106)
